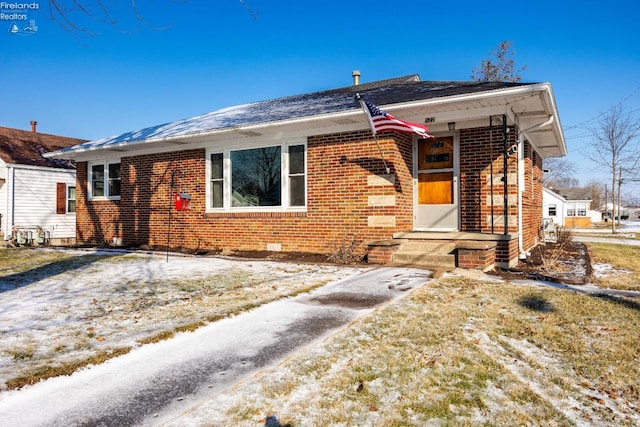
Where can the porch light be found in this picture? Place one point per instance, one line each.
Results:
(452, 125)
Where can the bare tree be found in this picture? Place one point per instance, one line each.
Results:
(72, 15)
(615, 146)
(559, 173)
(499, 67)
(597, 193)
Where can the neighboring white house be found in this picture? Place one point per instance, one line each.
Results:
(553, 206)
(569, 207)
(37, 195)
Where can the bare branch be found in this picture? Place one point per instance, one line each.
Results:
(499, 69)
(141, 19)
(69, 13)
(561, 173)
(615, 146)
(253, 14)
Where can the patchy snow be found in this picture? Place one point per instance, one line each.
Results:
(114, 301)
(606, 270)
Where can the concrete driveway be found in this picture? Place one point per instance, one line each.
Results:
(157, 381)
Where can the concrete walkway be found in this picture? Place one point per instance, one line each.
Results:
(155, 382)
(612, 240)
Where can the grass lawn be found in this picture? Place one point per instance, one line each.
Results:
(63, 310)
(459, 352)
(625, 259)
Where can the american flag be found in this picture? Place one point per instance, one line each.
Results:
(381, 121)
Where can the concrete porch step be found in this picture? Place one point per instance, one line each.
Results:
(440, 251)
(428, 246)
(432, 261)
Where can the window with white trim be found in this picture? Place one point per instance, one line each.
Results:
(71, 199)
(552, 210)
(577, 209)
(104, 180)
(297, 175)
(265, 178)
(217, 180)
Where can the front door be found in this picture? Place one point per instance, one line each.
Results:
(436, 190)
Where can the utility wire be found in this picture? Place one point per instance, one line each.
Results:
(633, 92)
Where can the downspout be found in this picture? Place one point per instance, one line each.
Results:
(521, 183)
(505, 174)
(521, 189)
(9, 222)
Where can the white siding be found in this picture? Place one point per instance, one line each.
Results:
(34, 200)
(3, 199)
(550, 198)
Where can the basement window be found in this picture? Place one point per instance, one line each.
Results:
(265, 178)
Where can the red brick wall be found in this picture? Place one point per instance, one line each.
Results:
(96, 222)
(476, 148)
(337, 202)
(339, 166)
(480, 148)
(532, 207)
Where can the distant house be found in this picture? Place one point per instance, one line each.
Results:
(569, 207)
(304, 174)
(37, 194)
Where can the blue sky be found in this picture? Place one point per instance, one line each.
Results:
(214, 54)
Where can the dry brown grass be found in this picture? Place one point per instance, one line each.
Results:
(135, 312)
(34, 375)
(624, 258)
(461, 352)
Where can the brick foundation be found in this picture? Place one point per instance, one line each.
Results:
(476, 255)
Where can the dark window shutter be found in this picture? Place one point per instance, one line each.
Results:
(61, 198)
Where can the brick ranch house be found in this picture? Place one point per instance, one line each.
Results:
(304, 174)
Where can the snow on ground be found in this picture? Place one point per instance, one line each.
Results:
(626, 226)
(181, 371)
(114, 300)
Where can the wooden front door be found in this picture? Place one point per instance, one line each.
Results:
(436, 198)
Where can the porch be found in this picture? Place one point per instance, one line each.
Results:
(446, 251)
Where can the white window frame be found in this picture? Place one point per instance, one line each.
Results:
(68, 199)
(105, 164)
(577, 209)
(285, 205)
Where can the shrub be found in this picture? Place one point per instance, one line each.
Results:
(346, 251)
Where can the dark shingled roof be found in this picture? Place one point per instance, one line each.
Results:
(383, 92)
(576, 193)
(26, 148)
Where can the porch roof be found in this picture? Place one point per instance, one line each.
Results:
(437, 102)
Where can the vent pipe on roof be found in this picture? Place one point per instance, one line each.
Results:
(356, 77)
(33, 126)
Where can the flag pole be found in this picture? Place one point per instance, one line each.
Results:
(381, 155)
(373, 131)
